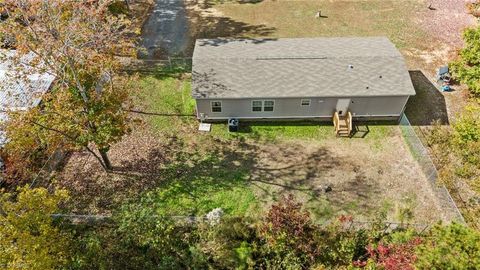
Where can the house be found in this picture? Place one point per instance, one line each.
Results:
(299, 78)
(20, 88)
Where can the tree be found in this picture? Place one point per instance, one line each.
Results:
(466, 135)
(449, 247)
(289, 234)
(28, 237)
(467, 67)
(79, 42)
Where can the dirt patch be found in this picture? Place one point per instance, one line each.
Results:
(445, 20)
(136, 160)
(362, 179)
(364, 175)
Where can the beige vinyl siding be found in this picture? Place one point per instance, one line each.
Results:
(292, 108)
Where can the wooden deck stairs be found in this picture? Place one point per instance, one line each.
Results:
(343, 124)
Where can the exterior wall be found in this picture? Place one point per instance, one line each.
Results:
(290, 108)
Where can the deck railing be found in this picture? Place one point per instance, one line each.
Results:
(336, 122)
(350, 122)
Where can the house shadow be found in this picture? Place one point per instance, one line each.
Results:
(428, 106)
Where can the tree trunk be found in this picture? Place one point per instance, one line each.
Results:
(106, 160)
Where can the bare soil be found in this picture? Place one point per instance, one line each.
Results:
(365, 175)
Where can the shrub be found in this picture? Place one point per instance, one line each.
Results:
(467, 134)
(231, 244)
(449, 247)
(29, 239)
(393, 256)
(467, 67)
(288, 231)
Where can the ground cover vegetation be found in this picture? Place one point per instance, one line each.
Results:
(283, 237)
(457, 148)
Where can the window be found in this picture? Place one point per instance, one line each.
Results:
(268, 105)
(216, 106)
(263, 105)
(305, 102)
(256, 106)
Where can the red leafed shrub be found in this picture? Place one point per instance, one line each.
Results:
(393, 256)
(288, 228)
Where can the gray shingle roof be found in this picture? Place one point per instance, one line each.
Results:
(298, 67)
(20, 88)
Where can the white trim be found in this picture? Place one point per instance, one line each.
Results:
(261, 106)
(211, 106)
(404, 107)
(273, 106)
(197, 111)
(299, 117)
(305, 99)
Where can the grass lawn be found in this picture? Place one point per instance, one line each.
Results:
(341, 18)
(168, 165)
(184, 172)
(398, 20)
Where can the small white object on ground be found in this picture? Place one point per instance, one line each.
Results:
(214, 216)
(205, 127)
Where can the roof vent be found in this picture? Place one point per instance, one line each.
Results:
(350, 66)
(380, 76)
(367, 87)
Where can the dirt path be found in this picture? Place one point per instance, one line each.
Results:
(166, 31)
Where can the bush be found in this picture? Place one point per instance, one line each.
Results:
(449, 247)
(393, 256)
(288, 232)
(26, 151)
(231, 244)
(467, 134)
(467, 67)
(29, 239)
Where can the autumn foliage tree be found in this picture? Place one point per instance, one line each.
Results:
(79, 42)
(28, 237)
(289, 234)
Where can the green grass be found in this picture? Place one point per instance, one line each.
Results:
(195, 184)
(211, 175)
(167, 95)
(272, 131)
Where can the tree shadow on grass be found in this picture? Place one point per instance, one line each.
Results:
(428, 105)
(231, 174)
(212, 26)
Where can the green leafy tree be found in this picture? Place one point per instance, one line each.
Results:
(79, 42)
(28, 237)
(467, 134)
(449, 247)
(467, 67)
